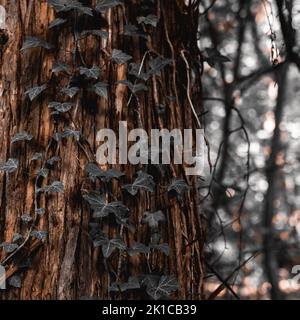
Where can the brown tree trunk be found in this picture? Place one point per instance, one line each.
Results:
(65, 265)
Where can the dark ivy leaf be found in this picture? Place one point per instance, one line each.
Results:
(67, 5)
(163, 247)
(59, 66)
(165, 286)
(20, 136)
(26, 217)
(120, 57)
(95, 172)
(138, 248)
(36, 156)
(56, 22)
(56, 186)
(15, 281)
(60, 107)
(36, 91)
(115, 207)
(16, 237)
(102, 208)
(70, 92)
(34, 42)
(132, 283)
(40, 211)
(213, 56)
(39, 234)
(158, 64)
(92, 73)
(124, 221)
(144, 181)
(135, 70)
(153, 218)
(9, 247)
(160, 109)
(151, 19)
(103, 5)
(100, 88)
(100, 33)
(132, 30)
(43, 172)
(179, 186)
(134, 88)
(11, 165)
(69, 132)
(112, 244)
(52, 160)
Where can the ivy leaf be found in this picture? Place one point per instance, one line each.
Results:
(101, 208)
(153, 218)
(60, 107)
(111, 174)
(11, 165)
(132, 30)
(144, 181)
(36, 156)
(112, 244)
(106, 208)
(95, 172)
(165, 286)
(163, 247)
(103, 5)
(70, 92)
(59, 66)
(92, 73)
(158, 64)
(135, 70)
(151, 19)
(160, 109)
(68, 132)
(100, 88)
(36, 91)
(120, 57)
(15, 281)
(43, 172)
(124, 221)
(9, 247)
(94, 198)
(59, 5)
(138, 248)
(52, 160)
(34, 42)
(16, 237)
(39, 234)
(133, 283)
(56, 186)
(100, 33)
(40, 211)
(20, 136)
(179, 186)
(56, 22)
(67, 5)
(26, 217)
(134, 88)
(213, 56)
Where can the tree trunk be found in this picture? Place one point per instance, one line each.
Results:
(66, 265)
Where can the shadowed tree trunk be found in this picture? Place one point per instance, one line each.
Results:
(64, 264)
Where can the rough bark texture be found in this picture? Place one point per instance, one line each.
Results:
(66, 266)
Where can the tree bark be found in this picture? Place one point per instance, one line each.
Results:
(66, 265)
